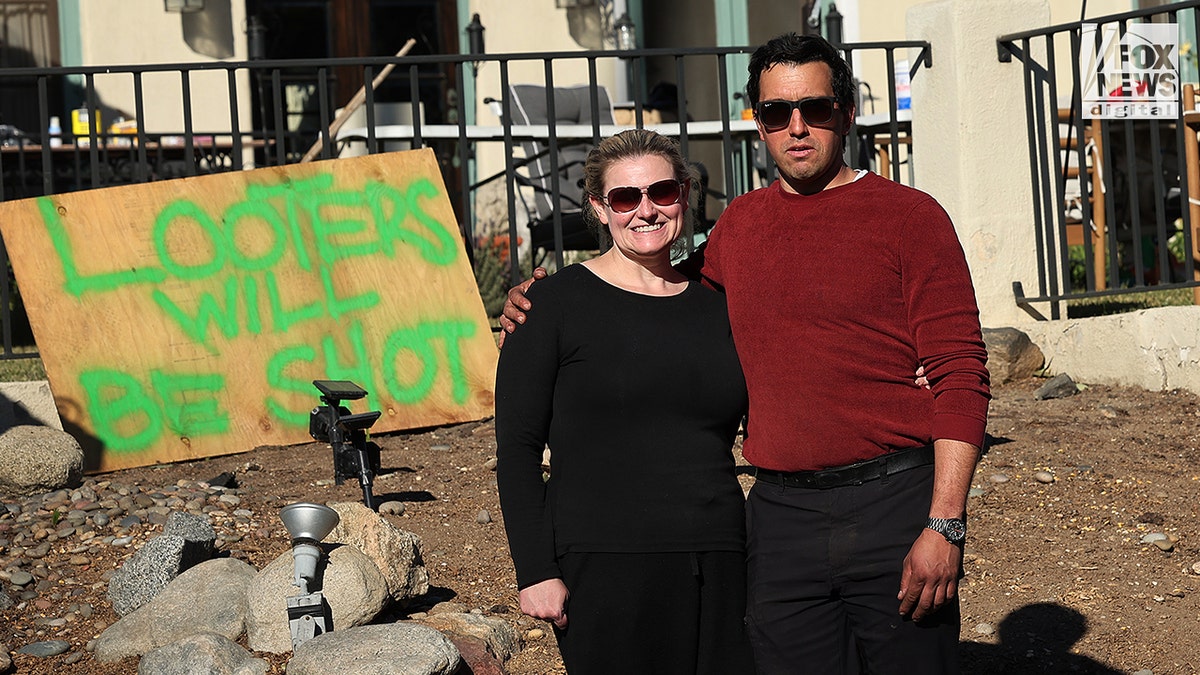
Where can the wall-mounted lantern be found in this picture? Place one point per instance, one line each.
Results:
(833, 25)
(625, 33)
(183, 5)
(256, 38)
(475, 40)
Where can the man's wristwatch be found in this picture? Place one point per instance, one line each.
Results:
(953, 529)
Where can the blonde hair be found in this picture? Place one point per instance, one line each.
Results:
(628, 145)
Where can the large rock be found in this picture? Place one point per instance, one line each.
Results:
(35, 459)
(390, 649)
(395, 552)
(1011, 354)
(354, 588)
(499, 636)
(202, 654)
(187, 540)
(208, 598)
(197, 531)
(145, 574)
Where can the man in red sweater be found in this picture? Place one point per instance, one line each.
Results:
(839, 284)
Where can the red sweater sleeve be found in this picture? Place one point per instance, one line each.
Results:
(944, 319)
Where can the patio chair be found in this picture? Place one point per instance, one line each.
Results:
(572, 105)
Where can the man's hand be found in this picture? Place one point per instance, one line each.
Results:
(930, 576)
(546, 600)
(517, 304)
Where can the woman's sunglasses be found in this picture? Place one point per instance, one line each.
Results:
(777, 114)
(625, 199)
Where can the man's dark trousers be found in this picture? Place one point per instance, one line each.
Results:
(825, 567)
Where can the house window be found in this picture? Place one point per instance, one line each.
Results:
(28, 38)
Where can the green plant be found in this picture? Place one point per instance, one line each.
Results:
(1132, 302)
(21, 369)
(1076, 259)
(492, 272)
(1175, 242)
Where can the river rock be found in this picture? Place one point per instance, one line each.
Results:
(1059, 386)
(45, 649)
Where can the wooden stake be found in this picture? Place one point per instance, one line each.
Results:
(355, 103)
(1192, 155)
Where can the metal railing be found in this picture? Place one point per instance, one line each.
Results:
(276, 110)
(1110, 196)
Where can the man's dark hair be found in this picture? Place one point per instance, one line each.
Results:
(797, 50)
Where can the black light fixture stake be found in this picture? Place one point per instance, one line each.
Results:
(333, 423)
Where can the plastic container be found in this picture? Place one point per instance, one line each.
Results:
(903, 88)
(80, 117)
(54, 132)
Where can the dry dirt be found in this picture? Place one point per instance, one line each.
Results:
(1056, 570)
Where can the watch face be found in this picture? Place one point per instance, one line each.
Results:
(953, 529)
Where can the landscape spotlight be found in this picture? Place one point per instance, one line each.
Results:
(307, 524)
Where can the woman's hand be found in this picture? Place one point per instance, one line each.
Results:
(546, 600)
(921, 381)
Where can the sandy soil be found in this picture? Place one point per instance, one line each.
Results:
(1058, 578)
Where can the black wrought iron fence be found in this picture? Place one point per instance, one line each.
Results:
(241, 115)
(1110, 195)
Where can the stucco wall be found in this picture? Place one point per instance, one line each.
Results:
(527, 27)
(1158, 349)
(123, 32)
(970, 138)
(881, 20)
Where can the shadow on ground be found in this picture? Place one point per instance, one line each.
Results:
(1036, 638)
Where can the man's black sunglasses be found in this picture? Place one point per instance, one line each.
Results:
(777, 114)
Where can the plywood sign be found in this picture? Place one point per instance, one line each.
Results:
(188, 318)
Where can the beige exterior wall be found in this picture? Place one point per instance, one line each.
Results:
(883, 20)
(124, 32)
(516, 27)
(1158, 349)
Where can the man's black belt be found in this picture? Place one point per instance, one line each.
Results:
(851, 474)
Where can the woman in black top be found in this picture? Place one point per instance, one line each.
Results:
(633, 548)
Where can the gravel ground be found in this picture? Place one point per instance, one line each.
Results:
(1063, 573)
